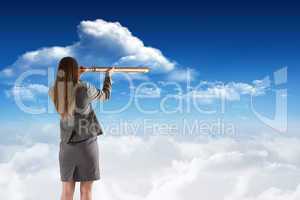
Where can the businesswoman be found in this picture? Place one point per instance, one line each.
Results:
(79, 127)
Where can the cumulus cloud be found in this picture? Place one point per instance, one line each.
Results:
(100, 43)
(119, 44)
(166, 168)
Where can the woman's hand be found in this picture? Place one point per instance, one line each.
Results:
(110, 71)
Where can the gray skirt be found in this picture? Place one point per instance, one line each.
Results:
(79, 161)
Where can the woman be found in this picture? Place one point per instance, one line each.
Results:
(79, 128)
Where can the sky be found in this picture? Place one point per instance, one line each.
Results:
(220, 98)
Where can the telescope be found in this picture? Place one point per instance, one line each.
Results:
(83, 69)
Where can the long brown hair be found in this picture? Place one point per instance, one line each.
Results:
(66, 79)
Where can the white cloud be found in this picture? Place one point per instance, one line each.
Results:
(118, 43)
(210, 91)
(27, 170)
(100, 43)
(42, 57)
(165, 168)
(27, 91)
(7, 72)
(148, 92)
(182, 75)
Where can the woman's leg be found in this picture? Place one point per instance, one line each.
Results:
(86, 190)
(68, 188)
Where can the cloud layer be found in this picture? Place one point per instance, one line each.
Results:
(28, 91)
(208, 92)
(165, 168)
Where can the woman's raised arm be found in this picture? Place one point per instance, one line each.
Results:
(97, 94)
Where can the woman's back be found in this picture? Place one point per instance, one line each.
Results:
(83, 123)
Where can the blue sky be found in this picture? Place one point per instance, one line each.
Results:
(233, 49)
(226, 45)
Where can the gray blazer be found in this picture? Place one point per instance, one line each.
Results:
(83, 123)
